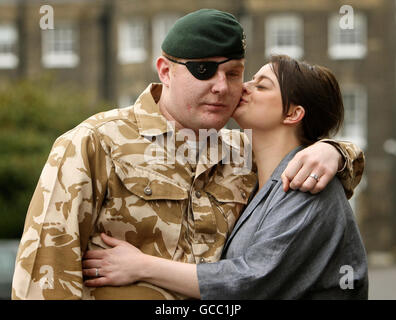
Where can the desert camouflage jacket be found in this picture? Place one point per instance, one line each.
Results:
(102, 176)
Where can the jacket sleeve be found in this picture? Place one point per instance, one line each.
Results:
(60, 218)
(352, 172)
(286, 255)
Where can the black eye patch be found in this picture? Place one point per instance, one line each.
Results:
(202, 70)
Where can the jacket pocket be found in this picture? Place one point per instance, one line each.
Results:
(149, 184)
(148, 207)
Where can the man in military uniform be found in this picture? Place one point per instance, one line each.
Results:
(99, 176)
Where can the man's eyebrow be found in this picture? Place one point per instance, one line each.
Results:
(237, 64)
(261, 78)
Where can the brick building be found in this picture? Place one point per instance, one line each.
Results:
(108, 49)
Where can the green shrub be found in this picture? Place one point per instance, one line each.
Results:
(32, 115)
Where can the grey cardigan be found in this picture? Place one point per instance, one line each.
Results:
(291, 245)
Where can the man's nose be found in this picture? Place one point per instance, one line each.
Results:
(220, 84)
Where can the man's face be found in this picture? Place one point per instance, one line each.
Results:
(204, 104)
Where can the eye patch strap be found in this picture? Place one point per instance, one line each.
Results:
(201, 70)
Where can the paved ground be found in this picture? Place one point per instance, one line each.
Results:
(382, 283)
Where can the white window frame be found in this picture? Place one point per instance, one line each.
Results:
(338, 48)
(8, 38)
(355, 121)
(52, 57)
(160, 26)
(292, 24)
(131, 41)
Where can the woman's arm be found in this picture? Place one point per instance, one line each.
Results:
(278, 249)
(125, 264)
(177, 276)
(287, 252)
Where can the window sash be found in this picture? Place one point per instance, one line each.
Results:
(355, 116)
(60, 46)
(8, 46)
(348, 43)
(284, 34)
(132, 41)
(161, 25)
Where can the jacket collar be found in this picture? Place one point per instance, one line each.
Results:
(149, 119)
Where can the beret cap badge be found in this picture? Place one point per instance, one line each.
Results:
(244, 41)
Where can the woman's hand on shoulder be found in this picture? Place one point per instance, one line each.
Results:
(312, 168)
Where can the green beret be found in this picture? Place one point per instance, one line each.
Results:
(205, 33)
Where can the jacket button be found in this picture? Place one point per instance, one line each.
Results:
(202, 260)
(243, 194)
(198, 194)
(147, 191)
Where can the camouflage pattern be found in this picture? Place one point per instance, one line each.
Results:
(97, 179)
(352, 172)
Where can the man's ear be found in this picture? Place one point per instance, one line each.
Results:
(163, 69)
(294, 115)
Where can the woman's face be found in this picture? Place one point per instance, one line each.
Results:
(260, 107)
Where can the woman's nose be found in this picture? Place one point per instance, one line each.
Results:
(246, 87)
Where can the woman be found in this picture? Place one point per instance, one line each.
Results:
(285, 245)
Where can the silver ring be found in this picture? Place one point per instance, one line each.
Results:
(96, 272)
(315, 176)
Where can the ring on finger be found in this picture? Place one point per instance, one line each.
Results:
(96, 272)
(314, 176)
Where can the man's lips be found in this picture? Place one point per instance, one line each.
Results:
(216, 104)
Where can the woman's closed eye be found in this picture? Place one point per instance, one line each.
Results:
(260, 87)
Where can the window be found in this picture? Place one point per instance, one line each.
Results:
(355, 116)
(8, 46)
(161, 25)
(131, 36)
(284, 35)
(60, 47)
(348, 43)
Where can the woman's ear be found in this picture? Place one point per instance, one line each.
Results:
(294, 115)
(163, 69)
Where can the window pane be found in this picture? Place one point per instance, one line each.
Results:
(60, 46)
(161, 25)
(347, 43)
(284, 34)
(8, 38)
(131, 41)
(355, 115)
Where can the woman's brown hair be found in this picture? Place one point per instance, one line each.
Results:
(316, 89)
